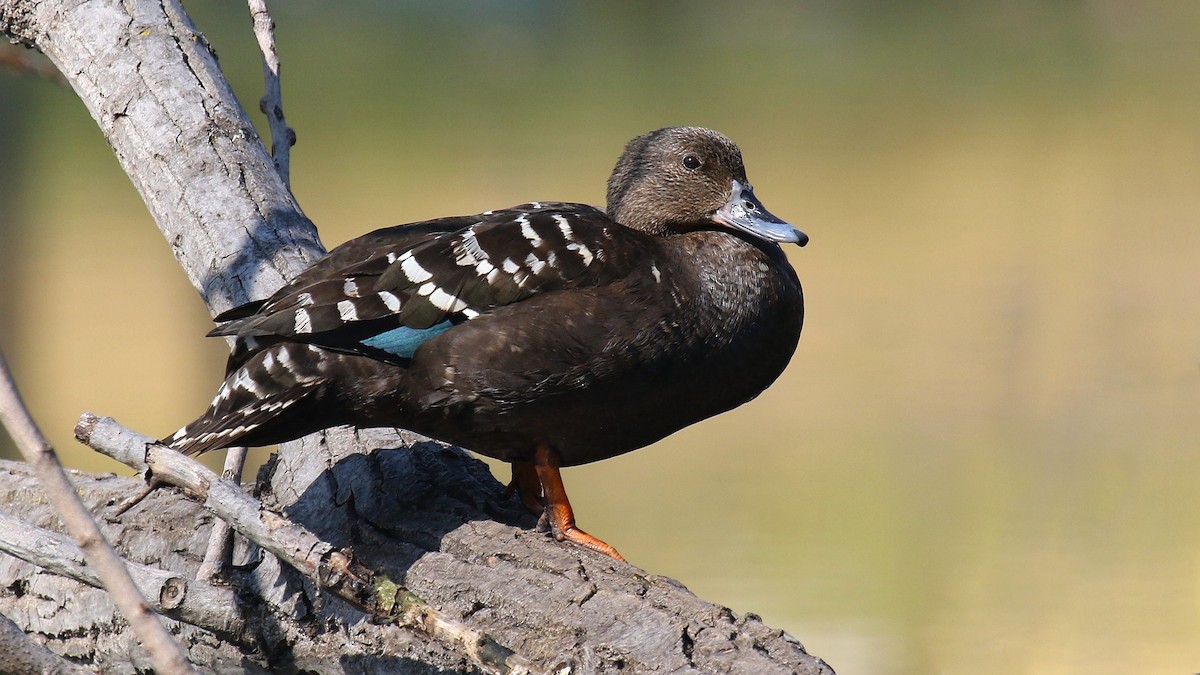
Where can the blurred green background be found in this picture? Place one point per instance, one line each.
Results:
(984, 457)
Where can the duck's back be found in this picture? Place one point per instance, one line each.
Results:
(700, 324)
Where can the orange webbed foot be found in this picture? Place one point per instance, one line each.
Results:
(557, 515)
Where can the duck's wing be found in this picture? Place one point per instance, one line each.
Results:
(385, 293)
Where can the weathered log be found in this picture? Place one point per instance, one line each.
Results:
(435, 519)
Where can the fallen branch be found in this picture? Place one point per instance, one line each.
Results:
(330, 568)
(433, 518)
(200, 604)
(220, 540)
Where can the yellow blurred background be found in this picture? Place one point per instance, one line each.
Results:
(985, 455)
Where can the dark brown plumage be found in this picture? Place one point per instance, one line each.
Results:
(546, 335)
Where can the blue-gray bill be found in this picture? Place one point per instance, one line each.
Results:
(745, 213)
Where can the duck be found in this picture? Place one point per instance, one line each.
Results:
(546, 335)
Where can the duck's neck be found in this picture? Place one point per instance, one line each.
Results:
(743, 280)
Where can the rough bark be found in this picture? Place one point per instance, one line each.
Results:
(430, 515)
(434, 518)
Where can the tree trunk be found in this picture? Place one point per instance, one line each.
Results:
(428, 514)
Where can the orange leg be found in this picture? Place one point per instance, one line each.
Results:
(558, 513)
(527, 486)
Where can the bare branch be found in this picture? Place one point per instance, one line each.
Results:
(283, 137)
(194, 602)
(220, 540)
(197, 603)
(167, 655)
(333, 569)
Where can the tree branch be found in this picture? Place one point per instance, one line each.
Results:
(220, 540)
(198, 603)
(168, 656)
(283, 137)
(328, 567)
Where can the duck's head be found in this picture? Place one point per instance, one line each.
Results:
(680, 179)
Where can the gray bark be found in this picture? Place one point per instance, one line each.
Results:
(24, 654)
(429, 515)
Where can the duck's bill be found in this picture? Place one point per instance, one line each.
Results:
(745, 213)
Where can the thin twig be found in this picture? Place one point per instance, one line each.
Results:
(200, 604)
(165, 653)
(333, 569)
(283, 137)
(220, 540)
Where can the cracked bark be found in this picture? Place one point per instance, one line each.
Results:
(429, 515)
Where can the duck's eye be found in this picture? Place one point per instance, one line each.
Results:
(691, 162)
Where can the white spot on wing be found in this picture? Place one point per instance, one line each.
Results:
(303, 321)
(529, 233)
(509, 266)
(467, 251)
(535, 265)
(564, 226)
(347, 310)
(584, 252)
(390, 301)
(350, 288)
(446, 302)
(655, 272)
(472, 248)
(242, 380)
(413, 270)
